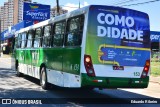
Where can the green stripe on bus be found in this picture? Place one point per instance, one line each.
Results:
(114, 82)
(60, 59)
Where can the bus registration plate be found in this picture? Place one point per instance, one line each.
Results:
(118, 67)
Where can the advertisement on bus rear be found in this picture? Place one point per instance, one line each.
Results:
(118, 36)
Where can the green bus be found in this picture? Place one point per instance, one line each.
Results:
(93, 47)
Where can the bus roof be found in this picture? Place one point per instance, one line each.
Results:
(66, 16)
(56, 19)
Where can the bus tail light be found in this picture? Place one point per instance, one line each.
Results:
(145, 69)
(88, 65)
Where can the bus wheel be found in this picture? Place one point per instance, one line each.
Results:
(43, 78)
(18, 74)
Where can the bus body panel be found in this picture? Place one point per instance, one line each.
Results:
(105, 40)
(117, 40)
(62, 64)
(28, 62)
(53, 58)
(114, 82)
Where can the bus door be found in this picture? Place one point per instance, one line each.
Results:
(72, 51)
(53, 57)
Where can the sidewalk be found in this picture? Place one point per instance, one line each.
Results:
(5, 56)
(155, 79)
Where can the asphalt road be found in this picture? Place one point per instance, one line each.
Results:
(27, 87)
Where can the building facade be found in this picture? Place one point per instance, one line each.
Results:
(11, 13)
(5, 15)
(2, 18)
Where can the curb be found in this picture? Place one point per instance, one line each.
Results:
(155, 82)
(155, 79)
(5, 57)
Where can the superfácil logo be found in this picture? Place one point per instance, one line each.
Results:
(34, 8)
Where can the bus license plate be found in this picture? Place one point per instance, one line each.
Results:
(118, 67)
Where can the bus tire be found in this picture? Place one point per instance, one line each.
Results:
(18, 74)
(43, 78)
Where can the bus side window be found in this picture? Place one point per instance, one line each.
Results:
(24, 37)
(46, 36)
(59, 32)
(19, 40)
(15, 43)
(29, 39)
(37, 38)
(74, 31)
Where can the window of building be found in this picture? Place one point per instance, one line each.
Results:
(47, 36)
(74, 31)
(19, 41)
(29, 39)
(59, 32)
(37, 38)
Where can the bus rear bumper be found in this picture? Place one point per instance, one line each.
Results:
(113, 82)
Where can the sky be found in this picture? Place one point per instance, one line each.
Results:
(152, 9)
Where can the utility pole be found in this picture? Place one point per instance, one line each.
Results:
(79, 4)
(57, 1)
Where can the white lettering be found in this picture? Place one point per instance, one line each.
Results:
(140, 35)
(99, 18)
(131, 20)
(119, 20)
(135, 101)
(109, 18)
(156, 37)
(109, 31)
(38, 15)
(101, 31)
(132, 34)
(115, 32)
(124, 34)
